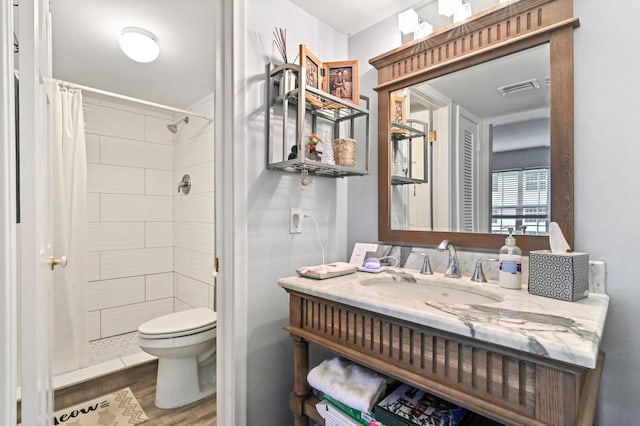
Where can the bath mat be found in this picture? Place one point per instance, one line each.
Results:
(114, 409)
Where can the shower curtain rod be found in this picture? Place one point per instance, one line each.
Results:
(127, 98)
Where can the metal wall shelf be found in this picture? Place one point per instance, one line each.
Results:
(294, 111)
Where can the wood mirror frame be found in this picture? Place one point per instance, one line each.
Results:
(491, 34)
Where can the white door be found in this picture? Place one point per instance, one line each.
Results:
(36, 212)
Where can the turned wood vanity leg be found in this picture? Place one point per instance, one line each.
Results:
(301, 388)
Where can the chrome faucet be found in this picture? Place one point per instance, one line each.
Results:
(453, 269)
(478, 274)
(426, 265)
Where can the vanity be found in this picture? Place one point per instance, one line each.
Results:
(513, 357)
(508, 355)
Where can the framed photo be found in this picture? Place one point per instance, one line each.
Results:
(341, 79)
(398, 108)
(313, 71)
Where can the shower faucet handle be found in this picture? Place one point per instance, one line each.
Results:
(185, 185)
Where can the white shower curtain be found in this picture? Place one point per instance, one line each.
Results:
(70, 341)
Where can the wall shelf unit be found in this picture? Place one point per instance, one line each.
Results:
(295, 111)
(407, 140)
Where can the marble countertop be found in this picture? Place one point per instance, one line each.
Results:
(563, 331)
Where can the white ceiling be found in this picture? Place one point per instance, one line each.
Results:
(85, 47)
(352, 16)
(86, 52)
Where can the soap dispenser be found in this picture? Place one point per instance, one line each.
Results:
(510, 263)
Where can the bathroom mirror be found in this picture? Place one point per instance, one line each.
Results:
(426, 193)
(486, 166)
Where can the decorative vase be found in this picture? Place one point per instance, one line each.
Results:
(344, 151)
(327, 152)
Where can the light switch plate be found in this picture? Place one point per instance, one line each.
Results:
(597, 276)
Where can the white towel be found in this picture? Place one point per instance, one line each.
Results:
(352, 384)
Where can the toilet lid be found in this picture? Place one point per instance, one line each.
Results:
(180, 322)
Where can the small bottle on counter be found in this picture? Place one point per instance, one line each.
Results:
(510, 263)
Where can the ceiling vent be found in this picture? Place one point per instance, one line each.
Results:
(522, 86)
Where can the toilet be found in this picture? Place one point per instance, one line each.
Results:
(185, 344)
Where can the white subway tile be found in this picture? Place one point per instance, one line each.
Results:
(128, 318)
(202, 267)
(159, 182)
(115, 236)
(182, 261)
(93, 325)
(93, 147)
(192, 292)
(195, 208)
(158, 234)
(93, 266)
(89, 99)
(127, 152)
(159, 286)
(128, 263)
(194, 151)
(202, 177)
(115, 179)
(119, 292)
(196, 126)
(123, 208)
(136, 107)
(156, 130)
(194, 236)
(113, 122)
(93, 207)
(181, 306)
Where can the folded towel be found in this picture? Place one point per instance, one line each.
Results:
(352, 384)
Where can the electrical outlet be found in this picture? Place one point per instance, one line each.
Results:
(597, 276)
(295, 220)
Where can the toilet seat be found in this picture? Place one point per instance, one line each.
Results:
(179, 324)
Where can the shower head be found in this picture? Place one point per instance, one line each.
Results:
(173, 128)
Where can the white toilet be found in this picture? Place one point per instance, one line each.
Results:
(185, 344)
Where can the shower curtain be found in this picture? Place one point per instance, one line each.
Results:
(70, 341)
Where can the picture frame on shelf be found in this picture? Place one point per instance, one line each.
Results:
(342, 80)
(313, 73)
(398, 103)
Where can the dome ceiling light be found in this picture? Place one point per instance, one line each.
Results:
(139, 44)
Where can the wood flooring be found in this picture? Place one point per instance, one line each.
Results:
(142, 381)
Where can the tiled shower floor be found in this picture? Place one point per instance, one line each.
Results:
(111, 348)
(106, 356)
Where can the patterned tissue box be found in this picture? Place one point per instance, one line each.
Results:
(562, 276)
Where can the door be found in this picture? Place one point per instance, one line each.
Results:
(36, 276)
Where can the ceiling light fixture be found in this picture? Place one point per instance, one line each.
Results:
(139, 44)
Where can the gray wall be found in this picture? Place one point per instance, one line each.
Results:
(606, 170)
(606, 156)
(272, 251)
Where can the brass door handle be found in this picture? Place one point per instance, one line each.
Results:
(62, 261)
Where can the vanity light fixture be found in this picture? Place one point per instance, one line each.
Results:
(462, 13)
(139, 44)
(449, 7)
(423, 30)
(408, 21)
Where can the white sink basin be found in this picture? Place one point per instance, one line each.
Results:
(429, 291)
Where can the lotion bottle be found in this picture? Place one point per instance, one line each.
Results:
(510, 263)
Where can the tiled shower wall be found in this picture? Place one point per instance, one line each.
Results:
(133, 230)
(194, 215)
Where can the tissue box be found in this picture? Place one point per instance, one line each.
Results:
(563, 276)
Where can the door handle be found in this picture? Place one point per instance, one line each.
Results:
(62, 261)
